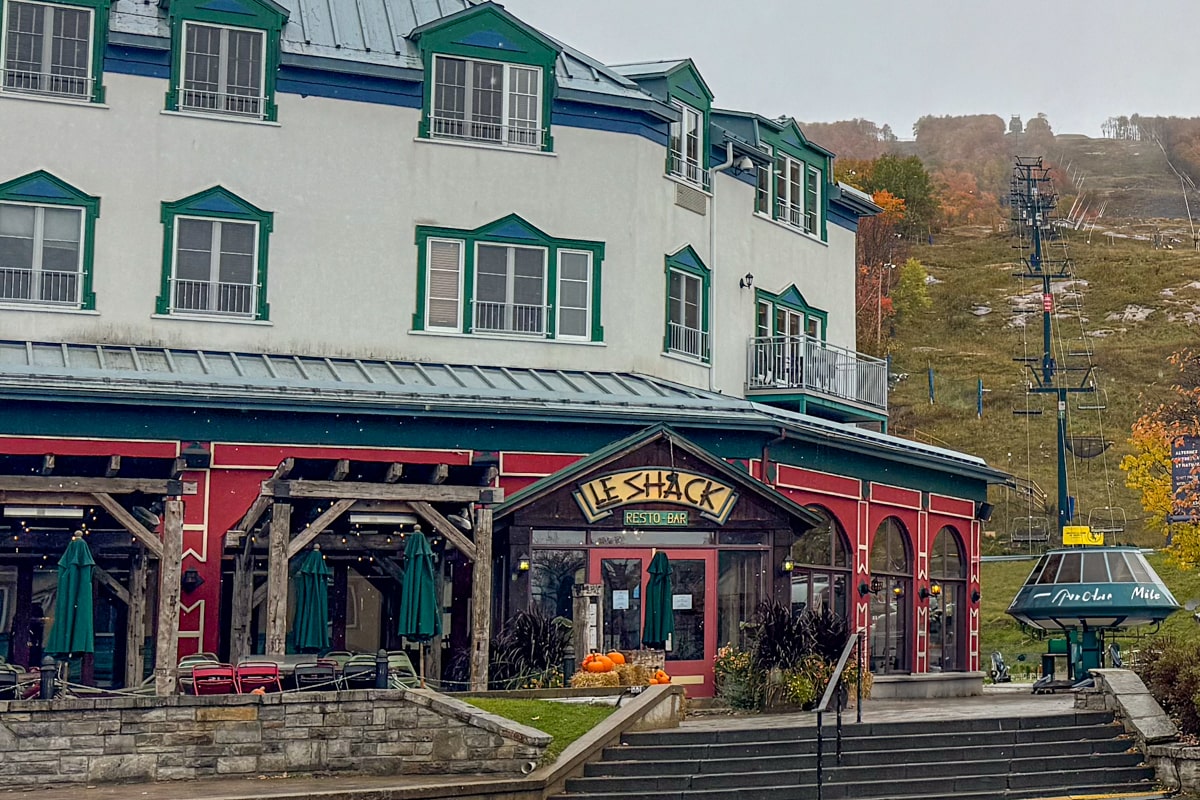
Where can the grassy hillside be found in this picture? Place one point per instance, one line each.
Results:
(1133, 178)
(974, 268)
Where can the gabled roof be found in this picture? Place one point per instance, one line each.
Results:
(748, 126)
(637, 441)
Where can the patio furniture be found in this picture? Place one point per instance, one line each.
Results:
(359, 672)
(187, 663)
(251, 675)
(10, 677)
(319, 676)
(401, 672)
(213, 679)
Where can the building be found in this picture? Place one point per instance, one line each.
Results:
(245, 246)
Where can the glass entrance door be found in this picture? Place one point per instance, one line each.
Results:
(624, 576)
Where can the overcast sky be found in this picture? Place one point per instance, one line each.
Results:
(892, 61)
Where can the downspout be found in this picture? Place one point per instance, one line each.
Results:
(712, 268)
(766, 454)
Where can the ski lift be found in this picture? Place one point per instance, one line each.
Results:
(1080, 348)
(1029, 530)
(1087, 446)
(1107, 520)
(1100, 401)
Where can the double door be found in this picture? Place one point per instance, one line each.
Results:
(624, 574)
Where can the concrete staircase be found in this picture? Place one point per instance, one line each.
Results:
(965, 759)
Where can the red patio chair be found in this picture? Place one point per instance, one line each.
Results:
(253, 675)
(213, 679)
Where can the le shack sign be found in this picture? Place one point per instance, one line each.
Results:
(599, 497)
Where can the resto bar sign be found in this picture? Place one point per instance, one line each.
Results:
(600, 496)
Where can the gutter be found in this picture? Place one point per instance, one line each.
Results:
(712, 264)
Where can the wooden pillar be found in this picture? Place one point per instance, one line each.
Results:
(241, 612)
(277, 578)
(481, 600)
(167, 644)
(433, 653)
(18, 648)
(135, 621)
(87, 667)
(337, 602)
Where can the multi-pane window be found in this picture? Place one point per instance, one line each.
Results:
(510, 289)
(41, 254)
(812, 201)
(487, 101)
(685, 322)
(574, 294)
(443, 291)
(47, 49)
(789, 187)
(223, 70)
(686, 157)
(215, 267)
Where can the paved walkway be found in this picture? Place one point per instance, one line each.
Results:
(1006, 701)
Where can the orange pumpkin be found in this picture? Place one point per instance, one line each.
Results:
(662, 677)
(599, 664)
(616, 657)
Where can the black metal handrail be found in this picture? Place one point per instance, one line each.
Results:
(833, 689)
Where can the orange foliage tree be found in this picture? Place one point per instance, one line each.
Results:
(880, 247)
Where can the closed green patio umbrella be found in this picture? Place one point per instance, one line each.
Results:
(73, 632)
(310, 628)
(660, 617)
(420, 612)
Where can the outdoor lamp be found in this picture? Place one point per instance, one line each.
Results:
(876, 585)
(935, 589)
(898, 590)
(975, 596)
(863, 589)
(787, 566)
(523, 564)
(191, 580)
(923, 593)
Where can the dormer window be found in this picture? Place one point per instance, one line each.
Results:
(686, 157)
(487, 101)
(53, 49)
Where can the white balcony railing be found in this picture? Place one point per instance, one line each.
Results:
(215, 298)
(687, 341)
(232, 103)
(39, 287)
(45, 83)
(511, 135)
(789, 214)
(691, 171)
(526, 320)
(805, 363)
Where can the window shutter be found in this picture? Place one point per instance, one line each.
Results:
(445, 264)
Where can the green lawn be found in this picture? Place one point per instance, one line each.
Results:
(566, 722)
(1000, 581)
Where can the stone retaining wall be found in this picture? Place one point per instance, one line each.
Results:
(379, 732)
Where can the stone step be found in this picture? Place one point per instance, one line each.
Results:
(1111, 791)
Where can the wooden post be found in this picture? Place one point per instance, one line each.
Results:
(481, 599)
(135, 621)
(240, 612)
(18, 648)
(433, 653)
(277, 578)
(337, 602)
(169, 567)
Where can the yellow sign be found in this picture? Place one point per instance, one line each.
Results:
(600, 496)
(1082, 534)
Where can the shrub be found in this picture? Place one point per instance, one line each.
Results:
(1171, 671)
(738, 681)
(528, 651)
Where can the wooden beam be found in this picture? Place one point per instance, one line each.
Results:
(47, 463)
(389, 565)
(178, 466)
(481, 599)
(340, 470)
(380, 491)
(18, 650)
(59, 499)
(233, 537)
(130, 523)
(241, 611)
(445, 528)
(277, 578)
(490, 475)
(170, 563)
(114, 466)
(135, 621)
(112, 583)
(394, 473)
(317, 527)
(23, 483)
(440, 473)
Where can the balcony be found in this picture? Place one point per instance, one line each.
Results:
(43, 287)
(680, 166)
(800, 366)
(214, 298)
(515, 318)
(241, 103)
(518, 134)
(47, 83)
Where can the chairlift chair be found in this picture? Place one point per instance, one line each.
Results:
(1029, 530)
(1107, 519)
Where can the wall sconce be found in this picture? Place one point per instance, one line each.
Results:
(898, 590)
(191, 580)
(923, 593)
(522, 565)
(787, 566)
(935, 589)
(874, 587)
(863, 589)
(747, 281)
(974, 595)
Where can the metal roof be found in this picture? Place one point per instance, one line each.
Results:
(213, 378)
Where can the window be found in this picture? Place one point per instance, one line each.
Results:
(487, 101)
(508, 278)
(687, 305)
(821, 576)
(762, 190)
(948, 603)
(789, 182)
(788, 349)
(225, 57)
(46, 231)
(215, 261)
(891, 604)
(222, 70)
(48, 48)
(686, 157)
(812, 201)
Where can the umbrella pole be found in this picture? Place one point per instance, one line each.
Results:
(421, 658)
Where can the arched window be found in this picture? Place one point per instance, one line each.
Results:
(947, 602)
(821, 571)
(891, 598)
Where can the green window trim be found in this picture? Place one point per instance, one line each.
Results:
(791, 299)
(489, 34)
(688, 342)
(263, 16)
(511, 231)
(40, 188)
(99, 42)
(816, 171)
(215, 204)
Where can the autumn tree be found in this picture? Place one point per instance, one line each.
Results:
(910, 298)
(907, 179)
(852, 138)
(879, 247)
